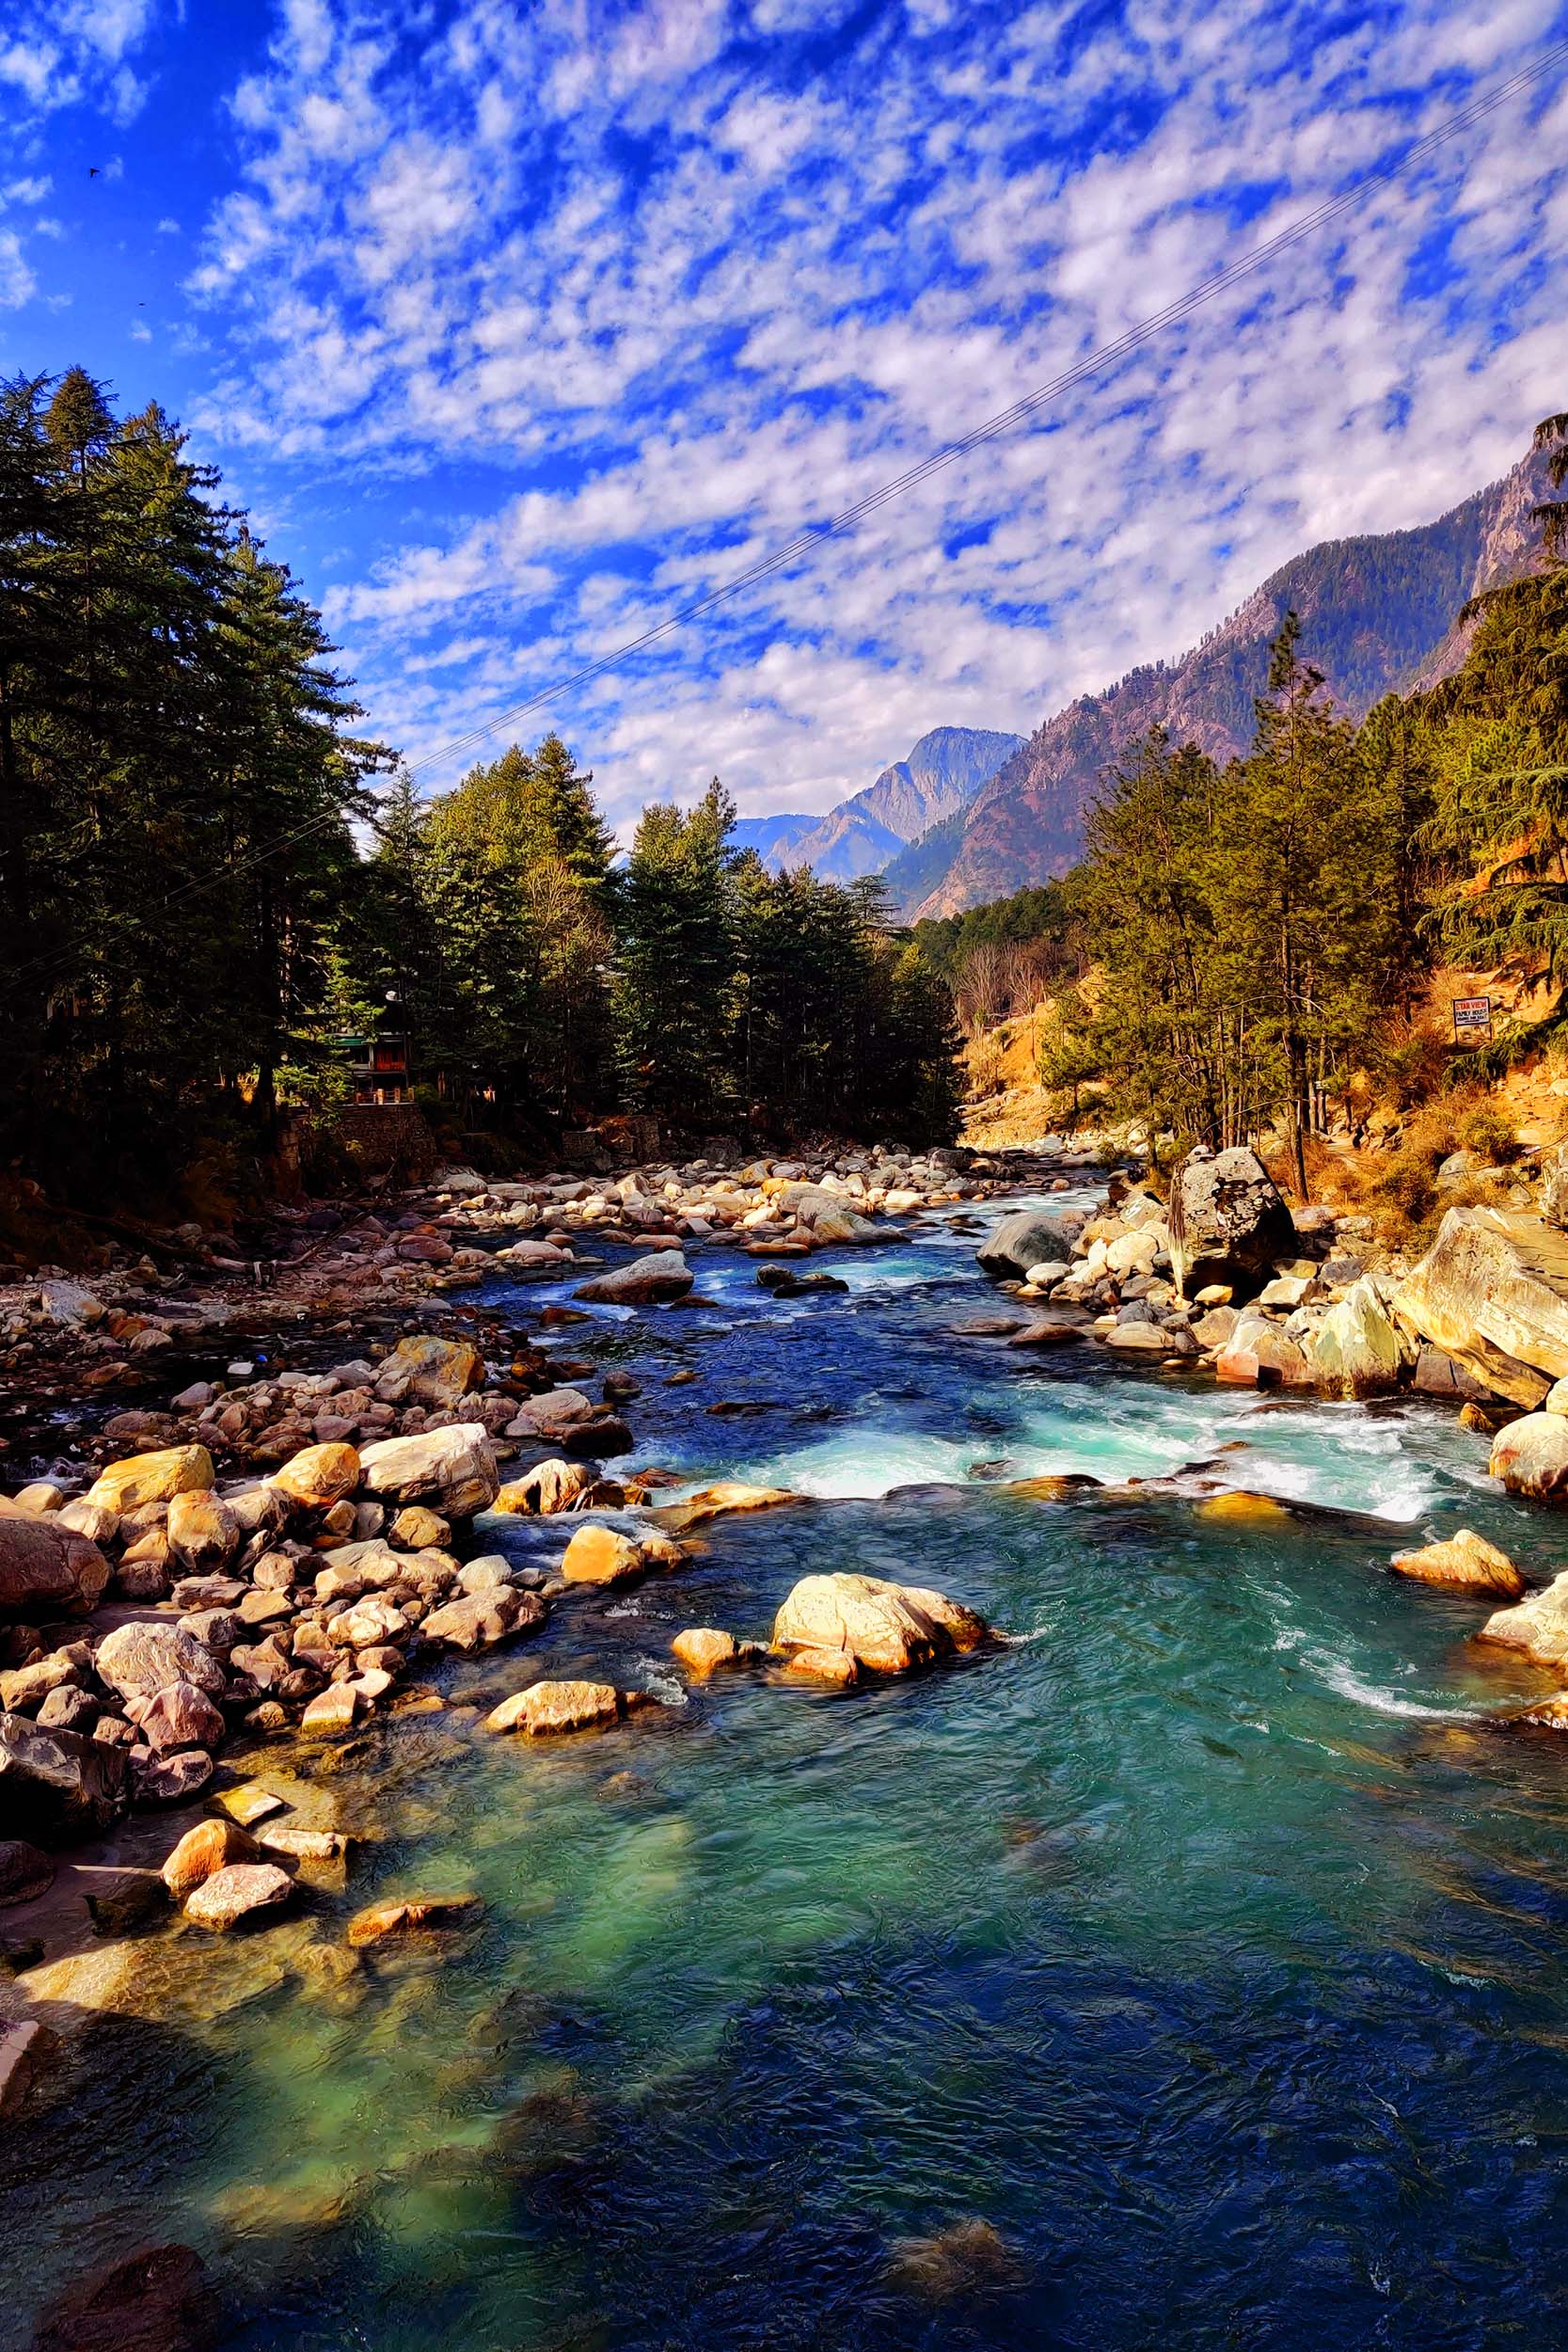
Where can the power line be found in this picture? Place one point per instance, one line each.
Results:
(811, 535)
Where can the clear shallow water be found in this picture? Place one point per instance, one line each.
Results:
(1207, 1940)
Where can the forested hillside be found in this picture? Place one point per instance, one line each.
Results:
(209, 879)
(1378, 614)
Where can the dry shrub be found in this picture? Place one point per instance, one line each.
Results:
(1408, 1058)
(1486, 1130)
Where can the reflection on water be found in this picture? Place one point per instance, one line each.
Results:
(1188, 1964)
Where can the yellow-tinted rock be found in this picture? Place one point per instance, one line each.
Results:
(1466, 1560)
(834, 1668)
(441, 1372)
(212, 1846)
(600, 1556)
(413, 1915)
(548, 1708)
(320, 1476)
(177, 1469)
(203, 1532)
(713, 1502)
(702, 1647)
(1241, 1503)
(884, 1627)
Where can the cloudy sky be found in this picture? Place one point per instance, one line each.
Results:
(518, 327)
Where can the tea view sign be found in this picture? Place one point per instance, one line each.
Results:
(1472, 1016)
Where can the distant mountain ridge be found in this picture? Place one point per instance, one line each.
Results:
(864, 834)
(1378, 612)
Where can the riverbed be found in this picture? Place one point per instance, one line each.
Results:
(1185, 1970)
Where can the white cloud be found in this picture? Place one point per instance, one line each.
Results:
(649, 300)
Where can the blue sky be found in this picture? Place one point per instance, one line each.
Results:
(518, 327)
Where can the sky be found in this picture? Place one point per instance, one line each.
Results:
(516, 328)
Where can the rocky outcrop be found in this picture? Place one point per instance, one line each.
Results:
(880, 1627)
(1466, 1561)
(1259, 1355)
(1355, 1350)
(47, 1570)
(1492, 1293)
(1229, 1222)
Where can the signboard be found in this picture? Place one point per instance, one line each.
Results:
(1472, 1016)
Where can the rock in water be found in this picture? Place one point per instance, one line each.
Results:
(1023, 1240)
(886, 1627)
(157, 2299)
(1531, 1456)
(413, 1915)
(204, 1851)
(479, 1620)
(548, 1708)
(1538, 1627)
(455, 1468)
(1466, 1560)
(1229, 1222)
(47, 1570)
(1492, 1293)
(598, 1555)
(549, 1487)
(56, 1784)
(664, 1274)
(241, 1890)
(702, 1647)
(1355, 1350)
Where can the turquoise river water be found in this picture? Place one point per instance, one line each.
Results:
(1205, 1941)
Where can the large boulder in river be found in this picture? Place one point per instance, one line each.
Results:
(56, 1784)
(1531, 1456)
(1025, 1240)
(453, 1467)
(1229, 1221)
(662, 1275)
(1355, 1350)
(1466, 1561)
(883, 1626)
(1492, 1293)
(47, 1570)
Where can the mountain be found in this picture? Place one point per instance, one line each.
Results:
(864, 835)
(1377, 613)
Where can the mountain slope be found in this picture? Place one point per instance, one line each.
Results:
(1377, 613)
(863, 834)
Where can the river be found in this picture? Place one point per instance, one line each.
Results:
(1203, 1941)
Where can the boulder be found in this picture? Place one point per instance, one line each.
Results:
(1538, 1625)
(453, 1467)
(172, 1779)
(237, 1892)
(413, 1915)
(47, 1570)
(551, 1415)
(24, 1871)
(598, 1555)
(431, 1370)
(1531, 1456)
(177, 1469)
(662, 1275)
(885, 1628)
(716, 1502)
(136, 1660)
(1492, 1293)
(548, 1707)
(203, 1532)
(701, 1648)
(1025, 1239)
(418, 1529)
(836, 1667)
(1258, 1355)
(179, 1716)
(157, 2299)
(209, 1847)
(57, 1784)
(480, 1620)
(332, 1713)
(1466, 1560)
(1229, 1221)
(1355, 1350)
(548, 1488)
(320, 1476)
